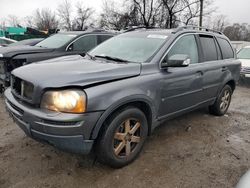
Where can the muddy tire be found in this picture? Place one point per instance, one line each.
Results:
(222, 103)
(122, 138)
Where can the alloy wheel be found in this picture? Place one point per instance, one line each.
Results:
(127, 137)
(225, 100)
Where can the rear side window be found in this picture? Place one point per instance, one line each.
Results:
(102, 38)
(209, 48)
(85, 43)
(226, 49)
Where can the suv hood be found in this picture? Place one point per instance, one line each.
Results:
(75, 71)
(24, 49)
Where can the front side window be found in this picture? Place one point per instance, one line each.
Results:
(209, 48)
(186, 46)
(226, 49)
(84, 44)
(56, 41)
(244, 53)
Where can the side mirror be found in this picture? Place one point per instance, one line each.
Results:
(177, 60)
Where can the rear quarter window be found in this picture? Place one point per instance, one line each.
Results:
(226, 49)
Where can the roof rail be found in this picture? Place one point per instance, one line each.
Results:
(103, 30)
(98, 30)
(192, 27)
(139, 27)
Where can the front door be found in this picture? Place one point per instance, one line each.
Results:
(181, 87)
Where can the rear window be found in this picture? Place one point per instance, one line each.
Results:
(226, 49)
(209, 48)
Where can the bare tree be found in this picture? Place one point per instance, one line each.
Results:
(29, 21)
(238, 32)
(219, 22)
(45, 19)
(3, 24)
(162, 13)
(83, 16)
(135, 13)
(112, 17)
(175, 7)
(192, 11)
(64, 12)
(148, 11)
(13, 20)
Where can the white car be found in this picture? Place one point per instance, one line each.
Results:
(5, 41)
(244, 56)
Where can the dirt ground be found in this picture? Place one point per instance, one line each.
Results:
(195, 150)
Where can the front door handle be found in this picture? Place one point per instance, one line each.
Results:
(200, 73)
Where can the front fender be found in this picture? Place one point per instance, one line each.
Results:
(120, 103)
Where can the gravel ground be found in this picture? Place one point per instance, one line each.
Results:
(195, 150)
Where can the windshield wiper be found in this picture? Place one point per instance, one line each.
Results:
(90, 56)
(112, 58)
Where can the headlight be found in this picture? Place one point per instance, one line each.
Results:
(70, 101)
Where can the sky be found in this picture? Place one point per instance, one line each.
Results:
(235, 10)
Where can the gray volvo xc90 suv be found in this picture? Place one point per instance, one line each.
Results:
(111, 99)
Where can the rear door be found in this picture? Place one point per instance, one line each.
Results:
(212, 66)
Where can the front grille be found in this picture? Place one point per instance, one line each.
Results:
(245, 70)
(22, 88)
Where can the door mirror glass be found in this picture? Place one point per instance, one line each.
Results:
(177, 60)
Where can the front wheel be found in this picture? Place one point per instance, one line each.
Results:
(222, 102)
(122, 138)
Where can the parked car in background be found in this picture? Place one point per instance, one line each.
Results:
(60, 44)
(244, 56)
(114, 97)
(6, 41)
(29, 42)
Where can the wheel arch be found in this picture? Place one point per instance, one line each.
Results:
(141, 102)
(232, 84)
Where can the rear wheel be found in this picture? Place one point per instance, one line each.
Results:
(122, 138)
(222, 102)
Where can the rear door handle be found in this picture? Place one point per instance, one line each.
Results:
(223, 69)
